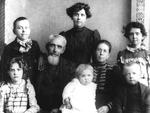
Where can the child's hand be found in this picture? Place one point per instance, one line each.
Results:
(54, 110)
(103, 109)
(67, 103)
(68, 106)
(1, 96)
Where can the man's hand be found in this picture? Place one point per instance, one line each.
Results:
(55, 110)
(103, 109)
(41, 64)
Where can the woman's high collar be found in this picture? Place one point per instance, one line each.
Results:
(131, 49)
(79, 29)
(100, 64)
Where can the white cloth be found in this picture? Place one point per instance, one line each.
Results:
(82, 97)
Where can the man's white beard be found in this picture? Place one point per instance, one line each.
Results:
(53, 60)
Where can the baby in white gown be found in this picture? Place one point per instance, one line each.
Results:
(79, 94)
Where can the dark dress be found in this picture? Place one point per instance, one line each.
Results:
(51, 83)
(31, 57)
(107, 80)
(80, 43)
(132, 99)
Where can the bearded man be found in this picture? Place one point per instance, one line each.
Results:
(57, 74)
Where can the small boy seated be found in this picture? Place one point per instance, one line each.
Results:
(133, 97)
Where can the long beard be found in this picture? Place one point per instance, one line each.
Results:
(53, 60)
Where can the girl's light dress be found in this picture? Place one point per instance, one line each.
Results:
(20, 99)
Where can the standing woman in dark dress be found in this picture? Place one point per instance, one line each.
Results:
(80, 39)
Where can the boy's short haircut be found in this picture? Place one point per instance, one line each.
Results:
(22, 64)
(17, 20)
(134, 25)
(53, 37)
(103, 42)
(77, 7)
(128, 64)
(81, 68)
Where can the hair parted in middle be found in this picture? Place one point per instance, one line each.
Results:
(96, 46)
(103, 42)
(22, 64)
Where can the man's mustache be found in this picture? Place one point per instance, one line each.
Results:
(54, 54)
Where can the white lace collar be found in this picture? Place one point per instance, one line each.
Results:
(135, 49)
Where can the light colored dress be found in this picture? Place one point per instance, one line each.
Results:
(82, 97)
(20, 99)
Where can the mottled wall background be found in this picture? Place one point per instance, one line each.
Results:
(49, 17)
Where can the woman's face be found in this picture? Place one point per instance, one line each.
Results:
(79, 18)
(102, 53)
(135, 37)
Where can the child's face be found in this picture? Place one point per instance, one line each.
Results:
(135, 37)
(79, 18)
(102, 53)
(132, 73)
(86, 77)
(22, 29)
(16, 73)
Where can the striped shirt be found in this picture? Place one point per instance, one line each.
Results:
(102, 73)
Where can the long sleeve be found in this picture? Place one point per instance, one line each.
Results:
(117, 106)
(96, 36)
(145, 98)
(34, 108)
(119, 102)
(1, 100)
(4, 58)
(69, 88)
(147, 104)
(36, 49)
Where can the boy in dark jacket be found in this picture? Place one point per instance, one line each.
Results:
(24, 47)
(133, 97)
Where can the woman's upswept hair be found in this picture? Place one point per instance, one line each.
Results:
(22, 64)
(77, 7)
(126, 30)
